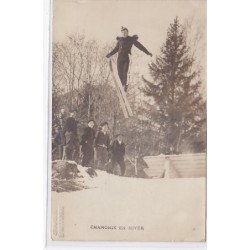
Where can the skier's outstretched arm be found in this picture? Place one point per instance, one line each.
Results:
(115, 50)
(141, 47)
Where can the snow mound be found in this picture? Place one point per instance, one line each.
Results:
(174, 208)
(68, 176)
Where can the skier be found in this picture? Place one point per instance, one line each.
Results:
(123, 47)
(117, 154)
(102, 146)
(87, 145)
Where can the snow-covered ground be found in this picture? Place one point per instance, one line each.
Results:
(146, 209)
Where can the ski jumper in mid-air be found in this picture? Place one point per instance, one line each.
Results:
(123, 47)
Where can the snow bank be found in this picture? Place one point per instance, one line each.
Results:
(67, 176)
(167, 209)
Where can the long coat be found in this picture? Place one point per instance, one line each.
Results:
(102, 140)
(87, 142)
(70, 132)
(88, 137)
(71, 125)
(118, 151)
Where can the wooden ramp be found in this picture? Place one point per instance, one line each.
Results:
(189, 165)
(124, 103)
(176, 166)
(156, 166)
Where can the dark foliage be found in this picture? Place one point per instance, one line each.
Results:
(178, 108)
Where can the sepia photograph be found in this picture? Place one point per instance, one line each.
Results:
(128, 121)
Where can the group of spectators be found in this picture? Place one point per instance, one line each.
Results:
(94, 149)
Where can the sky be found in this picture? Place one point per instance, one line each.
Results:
(149, 19)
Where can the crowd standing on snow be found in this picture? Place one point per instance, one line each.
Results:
(94, 149)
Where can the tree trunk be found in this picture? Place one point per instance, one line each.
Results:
(89, 105)
(179, 137)
(114, 125)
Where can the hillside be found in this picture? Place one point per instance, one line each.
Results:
(149, 209)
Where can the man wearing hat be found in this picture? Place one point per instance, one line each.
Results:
(117, 154)
(62, 119)
(102, 146)
(71, 139)
(123, 47)
(87, 145)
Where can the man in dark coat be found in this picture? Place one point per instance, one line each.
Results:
(87, 145)
(102, 147)
(123, 47)
(62, 119)
(57, 144)
(71, 139)
(117, 154)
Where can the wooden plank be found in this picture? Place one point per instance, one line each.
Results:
(199, 158)
(190, 172)
(182, 171)
(189, 165)
(127, 105)
(151, 173)
(181, 166)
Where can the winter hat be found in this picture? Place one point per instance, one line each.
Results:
(123, 28)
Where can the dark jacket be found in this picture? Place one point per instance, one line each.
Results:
(102, 140)
(62, 120)
(70, 125)
(58, 140)
(118, 150)
(124, 45)
(88, 136)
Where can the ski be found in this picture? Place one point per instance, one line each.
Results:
(121, 90)
(122, 104)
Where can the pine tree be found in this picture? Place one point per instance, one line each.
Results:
(178, 107)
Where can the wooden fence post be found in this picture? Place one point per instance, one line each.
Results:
(167, 167)
(136, 166)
